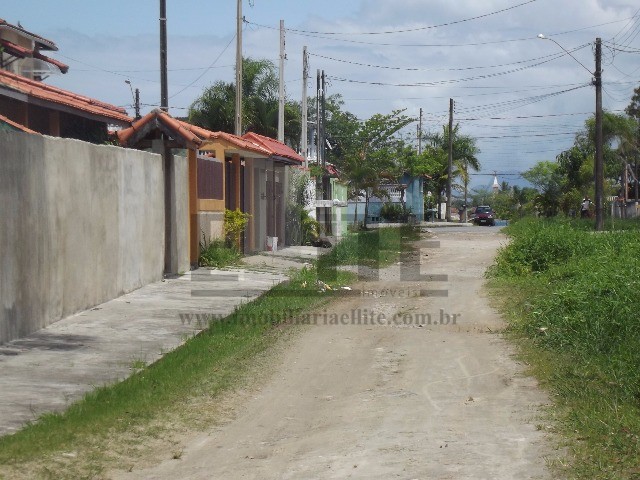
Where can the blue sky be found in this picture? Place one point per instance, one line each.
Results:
(520, 96)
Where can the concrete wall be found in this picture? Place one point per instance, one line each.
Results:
(79, 224)
(211, 225)
(179, 261)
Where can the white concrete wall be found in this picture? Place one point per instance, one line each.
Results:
(79, 224)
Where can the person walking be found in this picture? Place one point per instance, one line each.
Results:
(584, 208)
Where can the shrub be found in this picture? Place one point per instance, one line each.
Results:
(217, 253)
(234, 223)
(393, 212)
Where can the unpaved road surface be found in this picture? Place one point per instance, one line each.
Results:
(392, 399)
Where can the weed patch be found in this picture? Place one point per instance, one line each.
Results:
(573, 301)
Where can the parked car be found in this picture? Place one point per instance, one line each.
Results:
(484, 215)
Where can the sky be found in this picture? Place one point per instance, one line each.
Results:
(522, 98)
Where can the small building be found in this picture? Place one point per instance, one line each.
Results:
(27, 101)
(225, 172)
(411, 188)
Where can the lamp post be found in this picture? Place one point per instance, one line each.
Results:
(598, 164)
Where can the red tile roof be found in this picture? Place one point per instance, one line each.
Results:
(15, 125)
(276, 148)
(41, 41)
(22, 52)
(56, 95)
(192, 135)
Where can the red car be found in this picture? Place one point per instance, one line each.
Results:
(484, 215)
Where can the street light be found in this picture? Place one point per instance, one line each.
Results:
(598, 167)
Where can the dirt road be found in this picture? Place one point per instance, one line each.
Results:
(395, 398)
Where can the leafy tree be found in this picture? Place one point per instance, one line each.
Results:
(465, 158)
(369, 153)
(215, 108)
(547, 178)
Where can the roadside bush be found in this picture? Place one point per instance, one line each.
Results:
(537, 245)
(574, 294)
(395, 213)
(217, 253)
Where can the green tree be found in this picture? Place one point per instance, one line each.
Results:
(369, 154)
(215, 108)
(549, 181)
(465, 158)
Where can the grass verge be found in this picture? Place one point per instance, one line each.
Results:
(571, 297)
(109, 424)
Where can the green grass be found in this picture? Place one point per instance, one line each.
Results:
(372, 248)
(218, 254)
(216, 360)
(573, 300)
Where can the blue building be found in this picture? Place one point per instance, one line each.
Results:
(413, 188)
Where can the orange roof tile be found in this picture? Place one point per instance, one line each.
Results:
(52, 94)
(42, 42)
(189, 133)
(15, 125)
(22, 52)
(276, 148)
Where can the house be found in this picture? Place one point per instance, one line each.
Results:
(21, 53)
(27, 101)
(410, 189)
(225, 172)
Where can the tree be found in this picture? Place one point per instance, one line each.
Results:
(369, 153)
(215, 108)
(546, 177)
(465, 158)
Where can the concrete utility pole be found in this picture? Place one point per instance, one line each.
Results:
(420, 133)
(137, 103)
(323, 119)
(599, 170)
(318, 141)
(283, 56)
(450, 166)
(305, 108)
(238, 123)
(164, 88)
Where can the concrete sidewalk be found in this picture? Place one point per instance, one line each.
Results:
(52, 368)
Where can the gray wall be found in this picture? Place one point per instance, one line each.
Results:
(79, 224)
(180, 261)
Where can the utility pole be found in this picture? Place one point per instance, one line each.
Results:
(599, 173)
(420, 133)
(304, 132)
(450, 166)
(137, 103)
(318, 142)
(164, 89)
(238, 123)
(323, 119)
(283, 56)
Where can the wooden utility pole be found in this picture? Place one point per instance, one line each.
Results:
(238, 122)
(164, 88)
(281, 86)
(598, 168)
(450, 166)
(305, 108)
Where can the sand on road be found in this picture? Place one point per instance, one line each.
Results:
(394, 398)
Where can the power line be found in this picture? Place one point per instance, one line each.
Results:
(407, 30)
(472, 44)
(412, 69)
